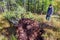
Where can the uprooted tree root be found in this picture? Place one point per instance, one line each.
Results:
(28, 29)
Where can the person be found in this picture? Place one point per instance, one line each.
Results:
(49, 12)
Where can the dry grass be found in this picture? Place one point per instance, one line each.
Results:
(3, 22)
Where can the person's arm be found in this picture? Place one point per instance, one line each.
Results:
(52, 10)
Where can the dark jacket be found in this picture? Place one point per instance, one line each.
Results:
(50, 11)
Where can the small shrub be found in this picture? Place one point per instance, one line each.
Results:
(14, 16)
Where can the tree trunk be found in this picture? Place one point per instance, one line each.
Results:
(24, 4)
(42, 7)
(34, 6)
(5, 8)
(28, 5)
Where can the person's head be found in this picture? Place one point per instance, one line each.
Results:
(50, 5)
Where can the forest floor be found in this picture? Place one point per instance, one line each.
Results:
(51, 27)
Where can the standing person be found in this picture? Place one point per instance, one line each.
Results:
(49, 12)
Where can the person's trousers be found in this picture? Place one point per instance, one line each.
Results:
(47, 17)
